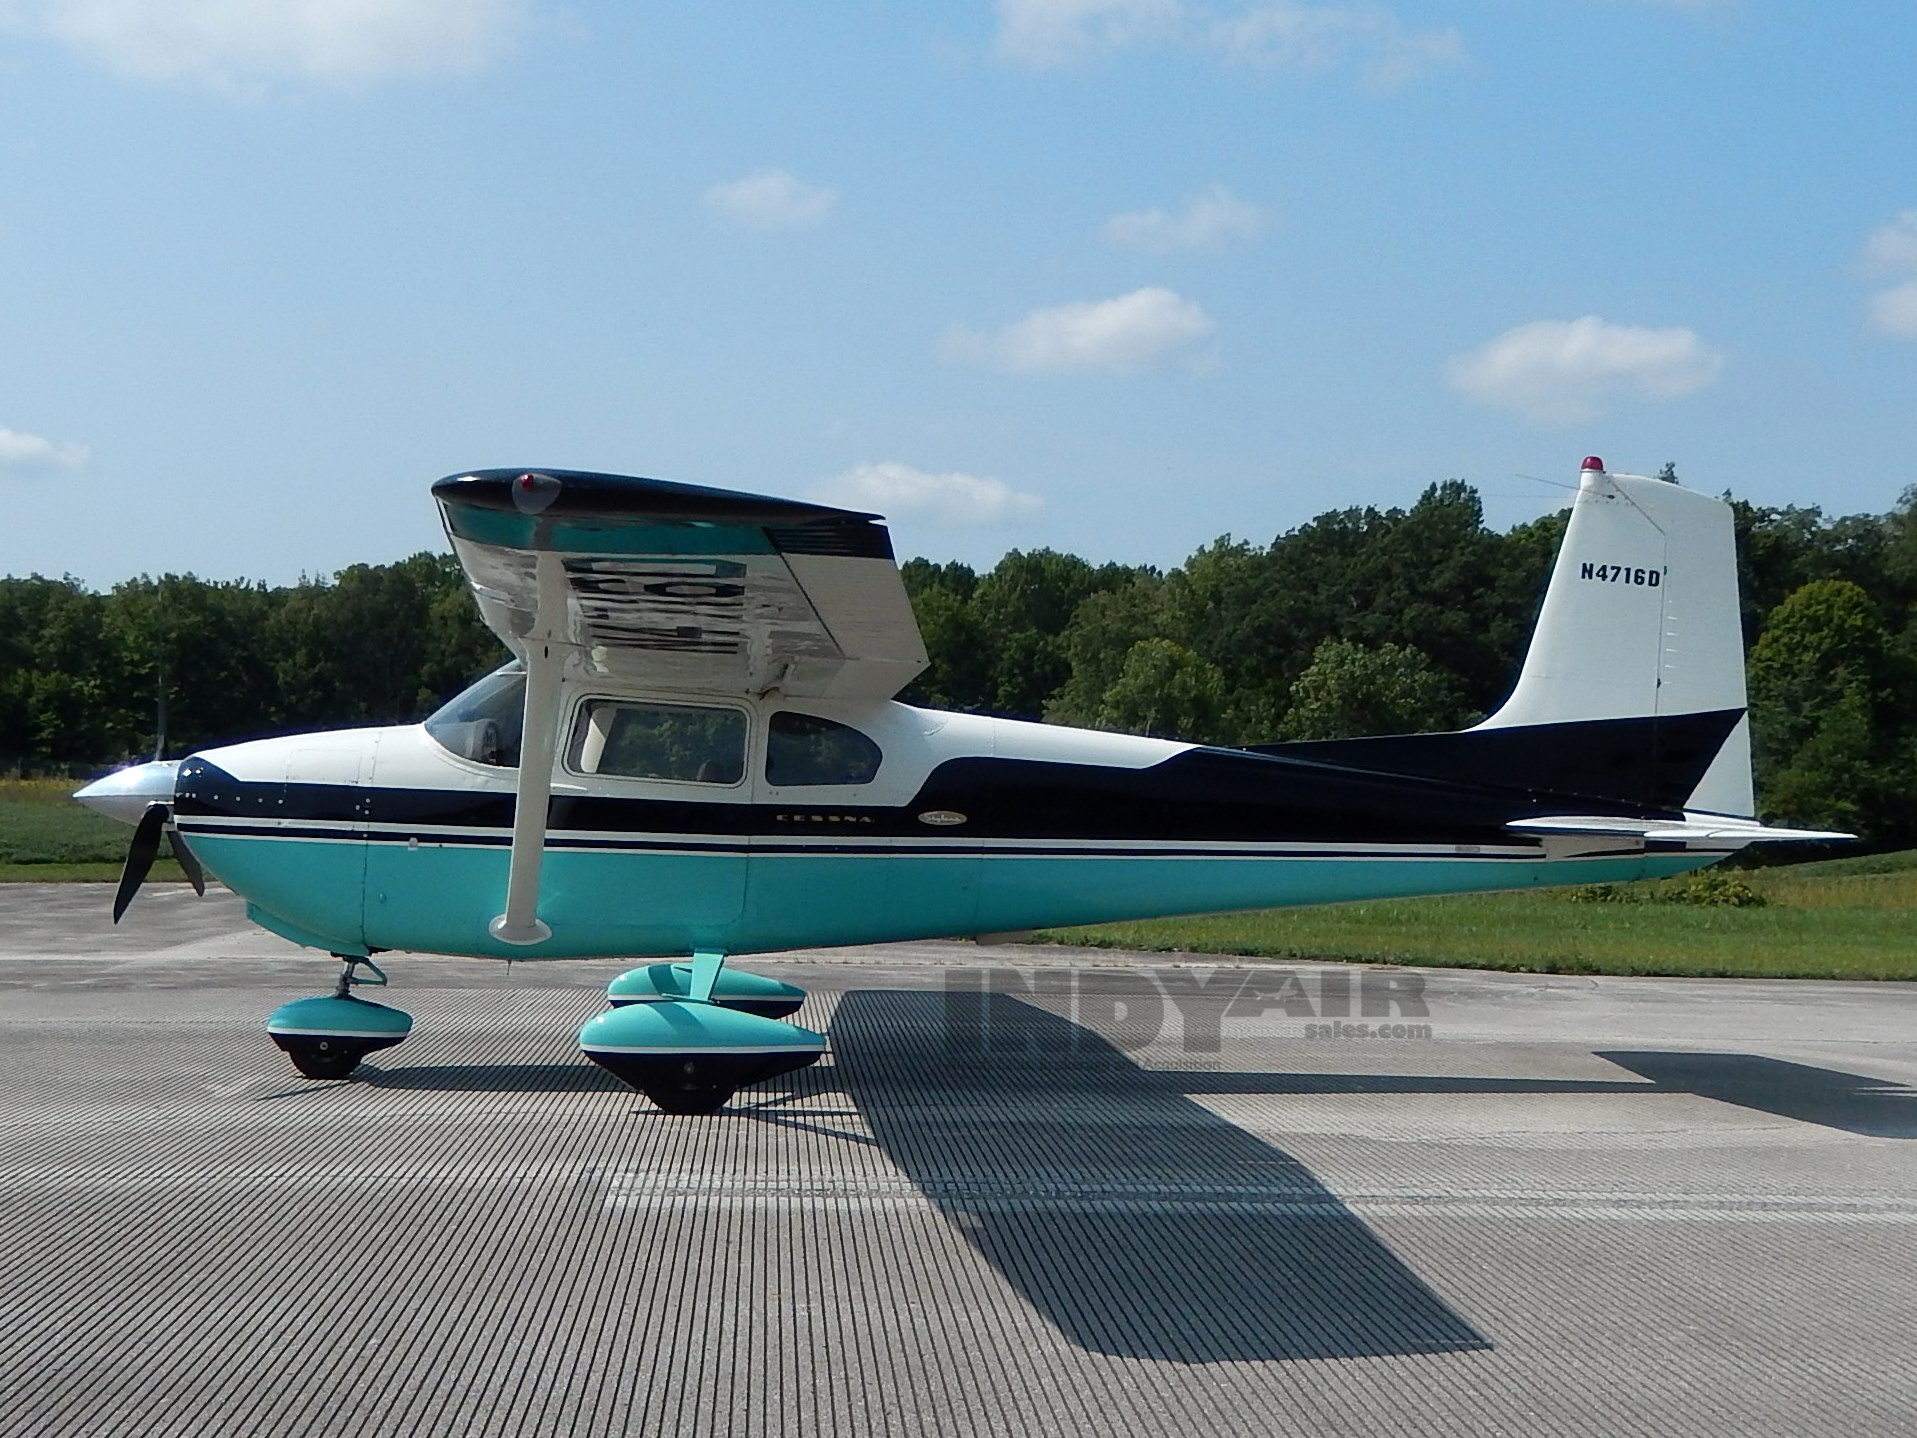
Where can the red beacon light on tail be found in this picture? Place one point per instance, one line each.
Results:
(1592, 462)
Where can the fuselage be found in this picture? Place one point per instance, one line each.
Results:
(680, 822)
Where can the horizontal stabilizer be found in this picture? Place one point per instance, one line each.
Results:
(1703, 830)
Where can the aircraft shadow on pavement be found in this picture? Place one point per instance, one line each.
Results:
(1854, 1103)
(572, 1076)
(1138, 1222)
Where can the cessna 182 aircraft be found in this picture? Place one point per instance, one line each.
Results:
(696, 754)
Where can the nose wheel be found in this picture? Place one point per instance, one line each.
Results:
(328, 1035)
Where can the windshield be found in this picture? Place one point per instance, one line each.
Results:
(483, 724)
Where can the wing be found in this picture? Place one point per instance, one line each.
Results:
(678, 586)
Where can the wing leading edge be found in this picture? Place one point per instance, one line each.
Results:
(684, 587)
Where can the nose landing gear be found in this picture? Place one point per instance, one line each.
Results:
(328, 1035)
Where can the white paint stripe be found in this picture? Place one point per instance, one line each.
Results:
(846, 837)
(776, 846)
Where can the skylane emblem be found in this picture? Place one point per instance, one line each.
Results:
(943, 818)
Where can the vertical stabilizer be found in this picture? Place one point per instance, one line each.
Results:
(1642, 619)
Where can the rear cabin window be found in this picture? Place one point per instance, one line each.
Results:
(804, 749)
(682, 743)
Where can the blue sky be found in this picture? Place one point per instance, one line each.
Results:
(1115, 276)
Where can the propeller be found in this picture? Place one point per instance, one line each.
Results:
(156, 822)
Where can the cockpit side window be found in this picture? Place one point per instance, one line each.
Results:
(483, 723)
(803, 749)
(643, 739)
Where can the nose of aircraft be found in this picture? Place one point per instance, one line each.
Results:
(125, 793)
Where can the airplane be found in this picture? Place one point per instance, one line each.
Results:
(696, 754)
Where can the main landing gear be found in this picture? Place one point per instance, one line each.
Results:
(688, 1036)
(327, 1036)
(732, 989)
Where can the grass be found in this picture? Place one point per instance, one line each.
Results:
(164, 871)
(46, 837)
(1834, 919)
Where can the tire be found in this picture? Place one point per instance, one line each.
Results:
(331, 1062)
(690, 1100)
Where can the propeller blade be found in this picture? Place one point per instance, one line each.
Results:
(189, 861)
(139, 856)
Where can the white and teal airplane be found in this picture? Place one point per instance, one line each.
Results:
(696, 754)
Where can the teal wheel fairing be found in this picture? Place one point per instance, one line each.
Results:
(326, 1037)
(734, 989)
(678, 1052)
(334, 1017)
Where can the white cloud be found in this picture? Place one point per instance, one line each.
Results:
(945, 500)
(29, 452)
(1127, 334)
(1893, 246)
(772, 200)
(1207, 221)
(1046, 34)
(1571, 372)
(1891, 250)
(1894, 311)
(241, 46)
(1287, 35)
(1276, 34)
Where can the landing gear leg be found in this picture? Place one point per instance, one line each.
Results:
(326, 1037)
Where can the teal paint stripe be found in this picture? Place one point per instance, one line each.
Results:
(584, 536)
(310, 890)
(875, 900)
(652, 905)
(293, 933)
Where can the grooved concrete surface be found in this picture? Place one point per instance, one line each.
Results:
(1030, 1191)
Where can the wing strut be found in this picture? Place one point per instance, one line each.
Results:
(546, 657)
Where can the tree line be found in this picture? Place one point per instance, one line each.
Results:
(1362, 621)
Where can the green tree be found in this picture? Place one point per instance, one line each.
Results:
(458, 646)
(61, 695)
(1104, 629)
(1818, 686)
(1350, 691)
(194, 664)
(1165, 690)
(1021, 609)
(358, 650)
(1433, 579)
(1219, 605)
(958, 675)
